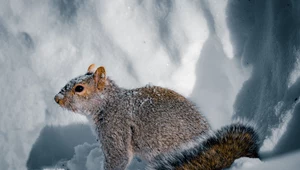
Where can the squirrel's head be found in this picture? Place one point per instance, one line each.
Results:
(84, 93)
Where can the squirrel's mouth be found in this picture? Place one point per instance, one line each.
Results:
(62, 102)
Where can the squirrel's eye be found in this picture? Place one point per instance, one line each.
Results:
(79, 88)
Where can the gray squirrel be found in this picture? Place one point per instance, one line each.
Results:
(154, 123)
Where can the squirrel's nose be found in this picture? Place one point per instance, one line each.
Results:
(57, 98)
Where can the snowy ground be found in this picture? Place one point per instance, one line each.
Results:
(233, 58)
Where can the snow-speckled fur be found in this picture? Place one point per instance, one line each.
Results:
(212, 151)
(145, 121)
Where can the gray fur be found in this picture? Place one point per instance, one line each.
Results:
(73, 82)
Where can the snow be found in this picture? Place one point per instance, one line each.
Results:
(244, 163)
(234, 59)
(86, 157)
(288, 161)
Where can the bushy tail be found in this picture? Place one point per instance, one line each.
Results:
(215, 151)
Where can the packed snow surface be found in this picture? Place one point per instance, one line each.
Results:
(234, 59)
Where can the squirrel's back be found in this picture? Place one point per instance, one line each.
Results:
(213, 152)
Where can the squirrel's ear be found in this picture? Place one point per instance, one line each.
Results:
(91, 68)
(100, 77)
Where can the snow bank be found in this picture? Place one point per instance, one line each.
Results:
(288, 161)
(266, 39)
(236, 58)
(244, 163)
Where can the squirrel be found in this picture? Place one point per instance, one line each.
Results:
(151, 122)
